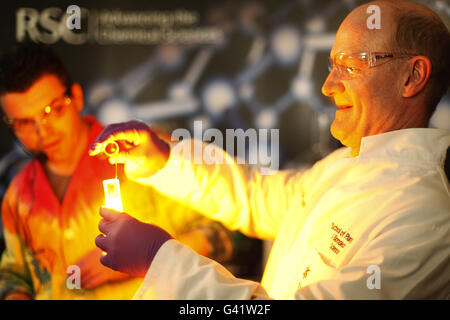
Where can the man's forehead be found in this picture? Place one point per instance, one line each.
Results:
(354, 35)
(43, 91)
(358, 41)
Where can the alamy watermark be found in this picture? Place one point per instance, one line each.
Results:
(251, 147)
(74, 277)
(374, 20)
(74, 17)
(374, 281)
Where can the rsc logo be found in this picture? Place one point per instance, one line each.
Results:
(51, 24)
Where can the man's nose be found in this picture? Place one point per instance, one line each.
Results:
(332, 85)
(42, 128)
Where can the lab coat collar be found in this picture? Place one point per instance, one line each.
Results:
(412, 145)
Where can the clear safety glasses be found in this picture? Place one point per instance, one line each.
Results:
(50, 113)
(351, 65)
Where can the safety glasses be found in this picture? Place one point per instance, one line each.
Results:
(49, 113)
(352, 65)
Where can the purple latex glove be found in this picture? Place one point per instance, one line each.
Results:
(129, 131)
(130, 245)
(140, 148)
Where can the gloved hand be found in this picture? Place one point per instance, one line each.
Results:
(140, 148)
(130, 245)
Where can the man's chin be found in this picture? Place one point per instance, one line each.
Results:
(39, 156)
(337, 133)
(344, 136)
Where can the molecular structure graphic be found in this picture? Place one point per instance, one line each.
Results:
(281, 41)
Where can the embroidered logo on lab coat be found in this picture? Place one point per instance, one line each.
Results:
(305, 273)
(304, 276)
(340, 238)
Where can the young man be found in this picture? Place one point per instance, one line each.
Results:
(370, 221)
(50, 210)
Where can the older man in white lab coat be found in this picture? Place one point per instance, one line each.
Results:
(370, 221)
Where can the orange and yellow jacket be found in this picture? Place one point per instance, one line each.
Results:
(45, 237)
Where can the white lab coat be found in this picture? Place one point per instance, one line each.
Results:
(376, 226)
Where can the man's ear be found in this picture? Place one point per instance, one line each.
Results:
(77, 96)
(419, 72)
